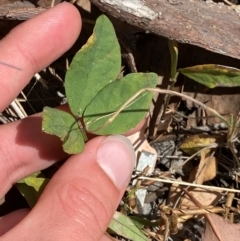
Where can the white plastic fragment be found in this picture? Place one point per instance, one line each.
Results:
(146, 159)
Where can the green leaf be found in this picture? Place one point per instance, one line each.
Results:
(173, 47)
(35, 174)
(124, 226)
(112, 97)
(63, 125)
(96, 64)
(212, 75)
(31, 188)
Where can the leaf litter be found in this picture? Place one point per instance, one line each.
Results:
(160, 220)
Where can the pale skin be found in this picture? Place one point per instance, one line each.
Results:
(81, 198)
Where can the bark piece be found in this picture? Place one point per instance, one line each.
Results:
(209, 25)
(19, 10)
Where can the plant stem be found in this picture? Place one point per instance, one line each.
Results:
(82, 129)
(173, 81)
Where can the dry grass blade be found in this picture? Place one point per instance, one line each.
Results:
(206, 187)
(162, 91)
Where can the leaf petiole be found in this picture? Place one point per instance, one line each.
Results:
(82, 130)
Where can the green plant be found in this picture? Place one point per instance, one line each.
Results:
(95, 93)
(210, 75)
(102, 104)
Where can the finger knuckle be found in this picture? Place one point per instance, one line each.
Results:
(83, 205)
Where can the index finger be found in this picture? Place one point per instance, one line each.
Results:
(33, 45)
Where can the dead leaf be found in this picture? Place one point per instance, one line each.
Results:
(225, 101)
(195, 143)
(225, 231)
(205, 197)
(205, 171)
(140, 143)
(84, 4)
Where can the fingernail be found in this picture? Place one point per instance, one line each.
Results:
(117, 159)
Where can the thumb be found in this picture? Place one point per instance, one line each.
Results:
(81, 198)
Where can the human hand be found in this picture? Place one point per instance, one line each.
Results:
(79, 201)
